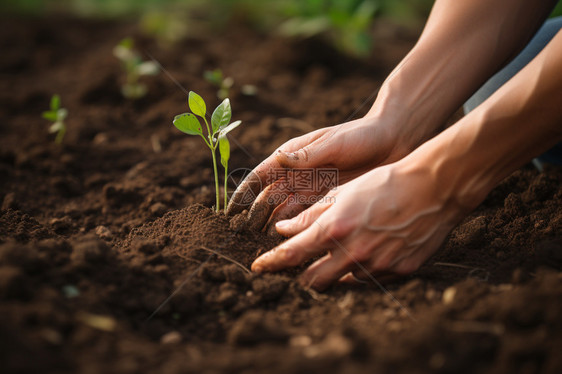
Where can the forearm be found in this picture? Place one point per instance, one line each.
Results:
(462, 45)
(520, 121)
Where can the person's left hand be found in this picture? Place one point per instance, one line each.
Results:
(386, 222)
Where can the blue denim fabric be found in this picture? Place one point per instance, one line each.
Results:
(537, 43)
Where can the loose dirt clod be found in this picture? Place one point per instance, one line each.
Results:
(449, 295)
(173, 337)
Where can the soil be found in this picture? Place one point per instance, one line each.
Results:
(111, 260)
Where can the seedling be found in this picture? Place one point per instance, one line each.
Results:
(345, 23)
(134, 67)
(217, 79)
(57, 115)
(168, 27)
(215, 136)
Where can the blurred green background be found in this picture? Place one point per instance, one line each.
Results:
(346, 24)
(118, 8)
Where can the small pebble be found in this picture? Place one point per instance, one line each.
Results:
(158, 209)
(173, 337)
(104, 233)
(334, 345)
(70, 291)
(300, 341)
(100, 138)
(97, 321)
(449, 295)
(9, 201)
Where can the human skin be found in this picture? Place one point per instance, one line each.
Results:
(389, 219)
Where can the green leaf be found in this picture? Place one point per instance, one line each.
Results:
(56, 127)
(127, 43)
(213, 76)
(62, 113)
(305, 27)
(188, 123)
(364, 14)
(55, 103)
(224, 149)
(221, 116)
(147, 68)
(229, 128)
(197, 104)
(50, 115)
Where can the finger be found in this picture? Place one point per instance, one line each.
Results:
(330, 268)
(300, 248)
(349, 278)
(304, 219)
(247, 191)
(245, 194)
(353, 280)
(310, 153)
(363, 276)
(284, 211)
(411, 263)
(393, 263)
(273, 195)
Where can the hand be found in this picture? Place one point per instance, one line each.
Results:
(385, 222)
(353, 148)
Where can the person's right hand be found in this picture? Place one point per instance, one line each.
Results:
(352, 148)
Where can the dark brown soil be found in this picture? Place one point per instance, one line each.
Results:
(109, 264)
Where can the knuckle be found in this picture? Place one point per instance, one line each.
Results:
(338, 229)
(304, 153)
(303, 219)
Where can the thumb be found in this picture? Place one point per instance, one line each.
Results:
(302, 221)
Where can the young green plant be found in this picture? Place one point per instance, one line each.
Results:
(134, 68)
(217, 79)
(344, 23)
(57, 115)
(215, 136)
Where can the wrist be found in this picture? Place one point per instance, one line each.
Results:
(409, 125)
(463, 172)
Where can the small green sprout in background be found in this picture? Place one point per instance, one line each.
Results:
(217, 79)
(345, 23)
(57, 115)
(135, 68)
(216, 133)
(167, 27)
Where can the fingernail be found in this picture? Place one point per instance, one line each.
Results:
(282, 224)
(257, 269)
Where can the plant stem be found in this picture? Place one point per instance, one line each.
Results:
(225, 187)
(60, 135)
(217, 190)
(213, 147)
